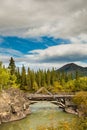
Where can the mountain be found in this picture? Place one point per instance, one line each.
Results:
(72, 68)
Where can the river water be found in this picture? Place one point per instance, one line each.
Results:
(43, 114)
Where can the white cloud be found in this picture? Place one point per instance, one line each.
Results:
(82, 38)
(32, 18)
(54, 56)
(5, 53)
(60, 53)
(84, 64)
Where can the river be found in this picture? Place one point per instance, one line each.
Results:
(43, 114)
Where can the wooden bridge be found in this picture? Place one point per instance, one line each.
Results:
(47, 97)
(62, 99)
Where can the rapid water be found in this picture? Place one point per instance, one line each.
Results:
(43, 114)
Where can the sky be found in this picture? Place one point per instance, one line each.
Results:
(43, 33)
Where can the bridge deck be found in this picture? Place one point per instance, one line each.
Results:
(48, 97)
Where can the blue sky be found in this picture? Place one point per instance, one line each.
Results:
(43, 33)
(24, 45)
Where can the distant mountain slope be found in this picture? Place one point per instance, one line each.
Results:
(72, 68)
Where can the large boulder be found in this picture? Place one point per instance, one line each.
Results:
(14, 105)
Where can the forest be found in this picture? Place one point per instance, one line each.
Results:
(30, 80)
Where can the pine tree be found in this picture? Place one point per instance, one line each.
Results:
(23, 77)
(18, 75)
(53, 76)
(77, 75)
(28, 79)
(48, 77)
(12, 66)
(38, 78)
(43, 83)
(32, 79)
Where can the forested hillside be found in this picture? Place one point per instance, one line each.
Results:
(72, 68)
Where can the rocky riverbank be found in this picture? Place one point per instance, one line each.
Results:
(71, 110)
(13, 105)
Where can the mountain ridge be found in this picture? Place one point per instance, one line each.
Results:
(72, 68)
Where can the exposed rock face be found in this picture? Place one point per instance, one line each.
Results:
(13, 105)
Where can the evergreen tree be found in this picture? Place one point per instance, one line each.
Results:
(18, 75)
(43, 83)
(48, 77)
(38, 78)
(71, 76)
(28, 79)
(58, 76)
(12, 66)
(77, 75)
(53, 76)
(23, 77)
(32, 79)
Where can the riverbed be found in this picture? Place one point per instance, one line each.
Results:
(43, 113)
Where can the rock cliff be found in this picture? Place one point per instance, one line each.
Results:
(13, 105)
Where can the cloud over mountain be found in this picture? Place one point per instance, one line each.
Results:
(60, 53)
